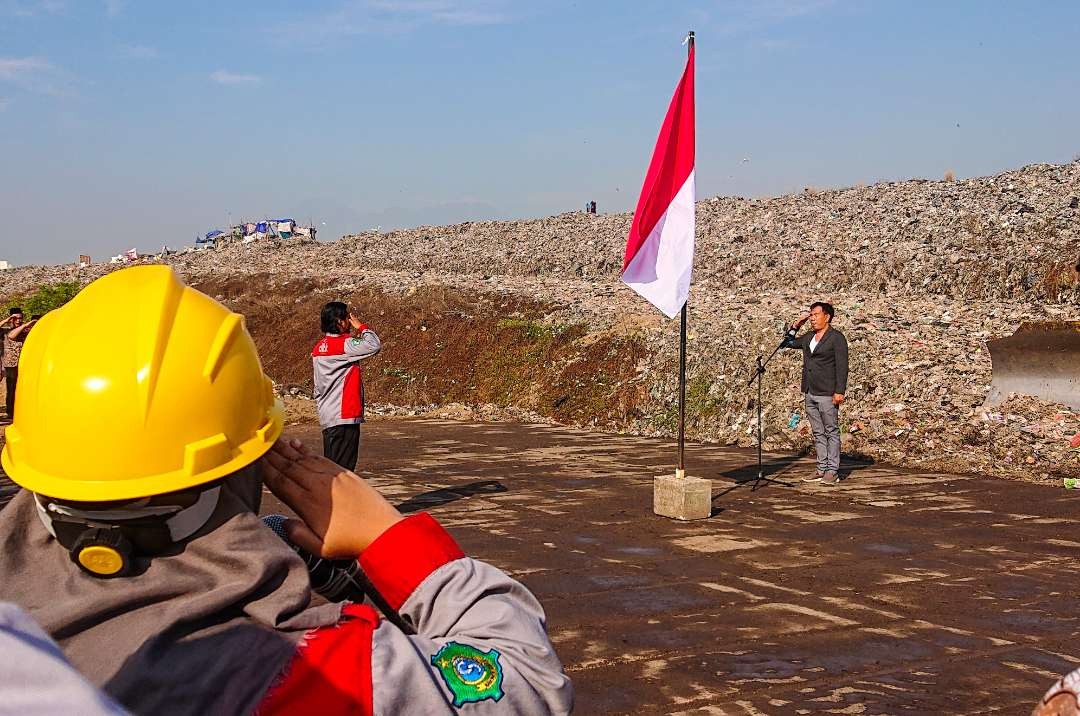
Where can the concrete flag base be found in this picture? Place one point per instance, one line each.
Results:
(682, 498)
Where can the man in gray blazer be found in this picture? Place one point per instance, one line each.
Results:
(824, 382)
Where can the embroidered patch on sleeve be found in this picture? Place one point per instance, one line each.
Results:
(470, 674)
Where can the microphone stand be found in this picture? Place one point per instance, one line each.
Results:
(759, 372)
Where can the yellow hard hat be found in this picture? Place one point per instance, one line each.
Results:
(138, 386)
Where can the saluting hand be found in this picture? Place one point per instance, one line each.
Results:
(342, 514)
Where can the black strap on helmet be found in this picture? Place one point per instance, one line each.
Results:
(104, 539)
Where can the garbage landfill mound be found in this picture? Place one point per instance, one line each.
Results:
(922, 274)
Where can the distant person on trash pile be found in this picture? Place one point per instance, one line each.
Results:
(824, 382)
(15, 333)
(136, 544)
(339, 380)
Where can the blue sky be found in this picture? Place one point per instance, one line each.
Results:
(127, 123)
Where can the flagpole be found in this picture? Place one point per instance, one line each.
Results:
(681, 471)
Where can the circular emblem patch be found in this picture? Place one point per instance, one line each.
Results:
(470, 674)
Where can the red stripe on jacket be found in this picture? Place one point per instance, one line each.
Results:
(334, 345)
(331, 673)
(428, 547)
(352, 400)
(352, 390)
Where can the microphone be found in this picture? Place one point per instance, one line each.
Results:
(337, 580)
(759, 370)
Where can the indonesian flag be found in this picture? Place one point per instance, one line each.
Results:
(660, 247)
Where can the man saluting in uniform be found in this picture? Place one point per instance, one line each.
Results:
(824, 382)
(339, 381)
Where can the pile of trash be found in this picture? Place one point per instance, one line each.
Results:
(1026, 432)
(1015, 235)
(920, 373)
(922, 274)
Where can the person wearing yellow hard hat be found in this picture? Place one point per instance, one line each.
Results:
(136, 542)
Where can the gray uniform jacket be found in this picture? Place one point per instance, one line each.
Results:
(825, 371)
(481, 647)
(338, 378)
(475, 640)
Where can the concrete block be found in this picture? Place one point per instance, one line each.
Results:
(682, 498)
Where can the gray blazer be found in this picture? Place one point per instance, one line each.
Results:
(825, 371)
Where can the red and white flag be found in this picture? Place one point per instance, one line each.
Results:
(660, 248)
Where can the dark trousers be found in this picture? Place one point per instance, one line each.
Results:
(11, 375)
(341, 444)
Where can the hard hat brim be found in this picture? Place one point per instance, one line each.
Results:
(83, 490)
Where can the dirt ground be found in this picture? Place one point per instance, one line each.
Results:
(891, 593)
(894, 592)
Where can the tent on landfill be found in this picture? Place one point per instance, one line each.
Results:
(284, 227)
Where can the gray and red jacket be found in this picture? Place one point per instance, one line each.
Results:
(480, 645)
(339, 380)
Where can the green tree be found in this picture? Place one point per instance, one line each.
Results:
(46, 298)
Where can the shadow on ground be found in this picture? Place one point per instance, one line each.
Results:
(892, 592)
(446, 495)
